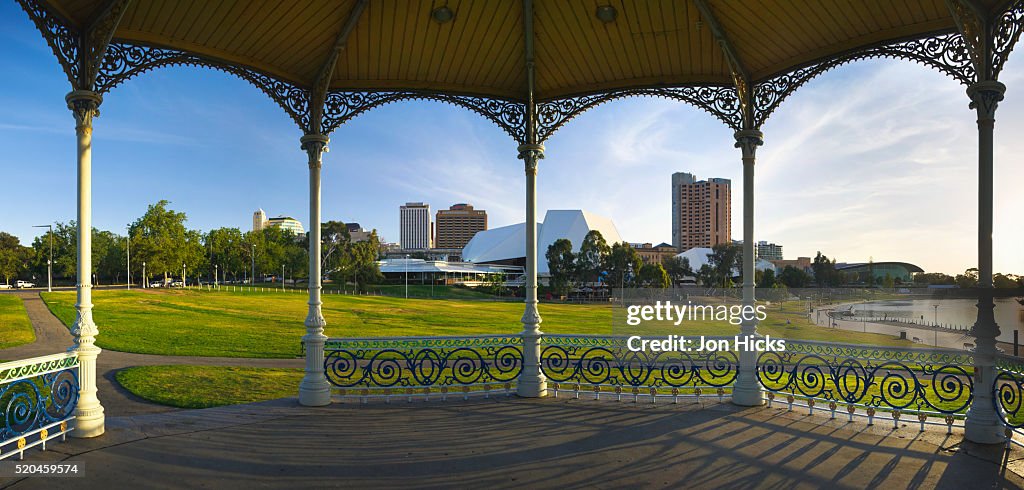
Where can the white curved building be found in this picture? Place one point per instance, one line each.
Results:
(507, 244)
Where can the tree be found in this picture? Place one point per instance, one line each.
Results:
(934, 278)
(723, 260)
(888, 281)
(362, 265)
(968, 279)
(160, 239)
(623, 265)
(1005, 281)
(592, 258)
(654, 276)
(335, 240)
(560, 265)
(226, 251)
(65, 251)
(794, 278)
(678, 268)
(825, 271)
(766, 278)
(108, 256)
(14, 258)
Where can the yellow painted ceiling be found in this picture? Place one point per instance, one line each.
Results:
(397, 45)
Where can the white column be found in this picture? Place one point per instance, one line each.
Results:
(531, 382)
(89, 418)
(747, 390)
(983, 425)
(314, 389)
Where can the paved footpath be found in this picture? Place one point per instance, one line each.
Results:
(53, 337)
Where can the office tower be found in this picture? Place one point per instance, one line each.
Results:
(701, 211)
(416, 231)
(457, 225)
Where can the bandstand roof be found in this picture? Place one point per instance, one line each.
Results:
(325, 61)
(396, 44)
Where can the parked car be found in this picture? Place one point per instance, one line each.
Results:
(24, 284)
(5, 286)
(156, 284)
(177, 284)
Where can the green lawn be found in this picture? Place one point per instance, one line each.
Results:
(209, 386)
(270, 324)
(15, 329)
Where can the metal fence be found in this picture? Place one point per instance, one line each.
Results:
(37, 400)
(422, 367)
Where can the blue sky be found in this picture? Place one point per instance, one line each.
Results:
(872, 160)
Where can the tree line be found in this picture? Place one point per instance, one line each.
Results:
(161, 240)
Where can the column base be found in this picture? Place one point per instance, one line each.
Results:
(747, 397)
(532, 386)
(314, 394)
(89, 425)
(984, 432)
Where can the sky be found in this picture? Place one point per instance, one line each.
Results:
(874, 160)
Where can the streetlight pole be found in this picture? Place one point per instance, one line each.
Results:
(145, 282)
(216, 274)
(49, 262)
(182, 274)
(253, 257)
(128, 250)
(936, 325)
(406, 276)
(282, 277)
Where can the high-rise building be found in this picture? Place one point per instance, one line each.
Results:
(457, 225)
(701, 211)
(259, 220)
(769, 251)
(416, 226)
(288, 223)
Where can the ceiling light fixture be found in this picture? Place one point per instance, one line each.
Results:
(442, 14)
(606, 13)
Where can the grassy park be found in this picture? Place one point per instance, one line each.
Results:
(15, 328)
(209, 386)
(269, 324)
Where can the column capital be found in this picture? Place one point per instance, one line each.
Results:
(84, 105)
(985, 97)
(747, 140)
(531, 153)
(315, 145)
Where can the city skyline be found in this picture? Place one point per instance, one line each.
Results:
(889, 174)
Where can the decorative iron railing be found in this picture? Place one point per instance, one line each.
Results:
(929, 384)
(1008, 395)
(37, 399)
(421, 367)
(604, 364)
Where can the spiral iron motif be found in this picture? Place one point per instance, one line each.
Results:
(29, 403)
(720, 101)
(422, 362)
(1007, 33)
(1008, 391)
(879, 377)
(947, 53)
(594, 360)
(343, 105)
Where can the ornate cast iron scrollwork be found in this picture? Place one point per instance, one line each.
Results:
(62, 39)
(422, 362)
(1008, 391)
(1006, 33)
(947, 53)
(589, 360)
(124, 61)
(342, 106)
(28, 404)
(869, 376)
(720, 101)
